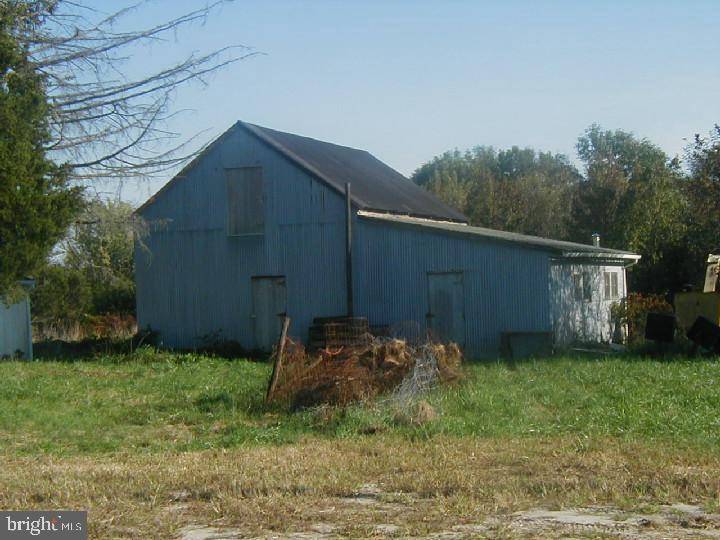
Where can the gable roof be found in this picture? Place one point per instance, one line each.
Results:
(571, 250)
(374, 186)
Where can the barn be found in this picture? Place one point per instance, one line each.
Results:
(16, 328)
(264, 223)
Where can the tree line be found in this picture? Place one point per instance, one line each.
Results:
(628, 190)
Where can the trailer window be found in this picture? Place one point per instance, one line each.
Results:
(578, 287)
(587, 286)
(611, 285)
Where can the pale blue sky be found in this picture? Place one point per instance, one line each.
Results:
(408, 80)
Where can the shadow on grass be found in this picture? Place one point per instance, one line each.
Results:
(214, 402)
(251, 403)
(135, 348)
(84, 350)
(678, 351)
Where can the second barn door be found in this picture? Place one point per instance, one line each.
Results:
(269, 298)
(446, 301)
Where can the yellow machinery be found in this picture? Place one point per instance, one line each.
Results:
(691, 305)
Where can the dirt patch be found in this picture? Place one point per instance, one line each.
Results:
(680, 521)
(381, 486)
(674, 521)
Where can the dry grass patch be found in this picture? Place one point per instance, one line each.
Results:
(420, 487)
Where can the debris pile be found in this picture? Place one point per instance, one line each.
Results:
(355, 373)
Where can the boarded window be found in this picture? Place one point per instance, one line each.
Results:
(611, 285)
(245, 202)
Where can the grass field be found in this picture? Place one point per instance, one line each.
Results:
(158, 402)
(152, 441)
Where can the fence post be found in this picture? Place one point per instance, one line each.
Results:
(277, 365)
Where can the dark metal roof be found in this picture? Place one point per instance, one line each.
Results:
(566, 249)
(373, 185)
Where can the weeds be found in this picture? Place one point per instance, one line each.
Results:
(154, 401)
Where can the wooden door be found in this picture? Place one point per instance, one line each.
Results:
(446, 301)
(269, 297)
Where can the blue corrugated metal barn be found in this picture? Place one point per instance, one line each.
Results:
(256, 226)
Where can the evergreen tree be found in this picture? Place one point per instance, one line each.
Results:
(36, 201)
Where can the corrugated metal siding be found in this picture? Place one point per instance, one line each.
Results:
(581, 320)
(194, 280)
(15, 333)
(506, 286)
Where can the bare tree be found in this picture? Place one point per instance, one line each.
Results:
(104, 124)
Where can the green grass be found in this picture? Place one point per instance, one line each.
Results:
(150, 401)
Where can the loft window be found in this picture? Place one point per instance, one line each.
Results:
(611, 285)
(245, 201)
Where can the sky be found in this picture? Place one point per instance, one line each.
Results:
(408, 80)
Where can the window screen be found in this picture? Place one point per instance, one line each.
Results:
(614, 285)
(606, 280)
(245, 202)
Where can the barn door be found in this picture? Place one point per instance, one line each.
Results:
(269, 297)
(446, 318)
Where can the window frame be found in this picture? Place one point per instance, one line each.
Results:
(611, 285)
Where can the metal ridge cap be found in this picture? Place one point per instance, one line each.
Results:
(407, 218)
(610, 254)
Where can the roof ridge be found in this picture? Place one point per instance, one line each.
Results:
(254, 129)
(305, 137)
(442, 210)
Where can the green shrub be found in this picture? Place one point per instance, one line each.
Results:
(633, 312)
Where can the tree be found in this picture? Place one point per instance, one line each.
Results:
(517, 190)
(703, 190)
(69, 115)
(92, 269)
(614, 162)
(61, 297)
(632, 195)
(100, 245)
(36, 201)
(104, 124)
